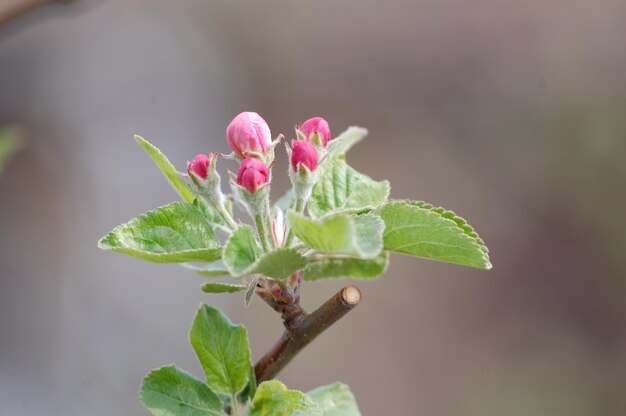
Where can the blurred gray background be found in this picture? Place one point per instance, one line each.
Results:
(511, 113)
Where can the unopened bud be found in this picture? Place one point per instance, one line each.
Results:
(316, 128)
(303, 152)
(198, 168)
(249, 135)
(252, 174)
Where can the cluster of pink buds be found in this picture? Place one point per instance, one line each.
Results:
(249, 136)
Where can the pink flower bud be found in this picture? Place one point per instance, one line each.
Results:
(305, 153)
(316, 125)
(252, 174)
(248, 134)
(199, 166)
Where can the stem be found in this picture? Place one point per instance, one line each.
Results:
(229, 220)
(302, 328)
(234, 405)
(299, 208)
(263, 235)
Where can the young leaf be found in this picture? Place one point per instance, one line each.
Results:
(279, 264)
(345, 141)
(214, 269)
(222, 349)
(348, 267)
(169, 391)
(211, 215)
(175, 233)
(272, 398)
(215, 287)
(340, 188)
(418, 229)
(174, 178)
(357, 236)
(335, 400)
(240, 251)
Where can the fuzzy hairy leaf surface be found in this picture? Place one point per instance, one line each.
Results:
(173, 176)
(419, 229)
(215, 287)
(222, 349)
(356, 236)
(348, 267)
(241, 251)
(272, 398)
(335, 400)
(169, 391)
(175, 233)
(213, 269)
(340, 188)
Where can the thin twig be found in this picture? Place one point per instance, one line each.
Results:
(14, 9)
(302, 328)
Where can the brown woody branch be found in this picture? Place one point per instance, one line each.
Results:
(302, 328)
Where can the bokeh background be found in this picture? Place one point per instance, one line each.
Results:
(512, 113)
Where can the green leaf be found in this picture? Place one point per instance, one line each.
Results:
(10, 143)
(175, 233)
(340, 188)
(250, 390)
(173, 176)
(214, 269)
(241, 250)
(222, 349)
(214, 287)
(169, 391)
(279, 264)
(419, 229)
(335, 400)
(211, 215)
(272, 398)
(243, 257)
(346, 140)
(349, 267)
(357, 236)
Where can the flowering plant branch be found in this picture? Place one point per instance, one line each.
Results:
(334, 222)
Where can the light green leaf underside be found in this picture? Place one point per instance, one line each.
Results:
(340, 188)
(222, 349)
(279, 263)
(215, 287)
(241, 251)
(211, 215)
(335, 400)
(169, 391)
(418, 229)
(175, 233)
(272, 398)
(214, 269)
(10, 143)
(357, 236)
(344, 142)
(173, 176)
(349, 267)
